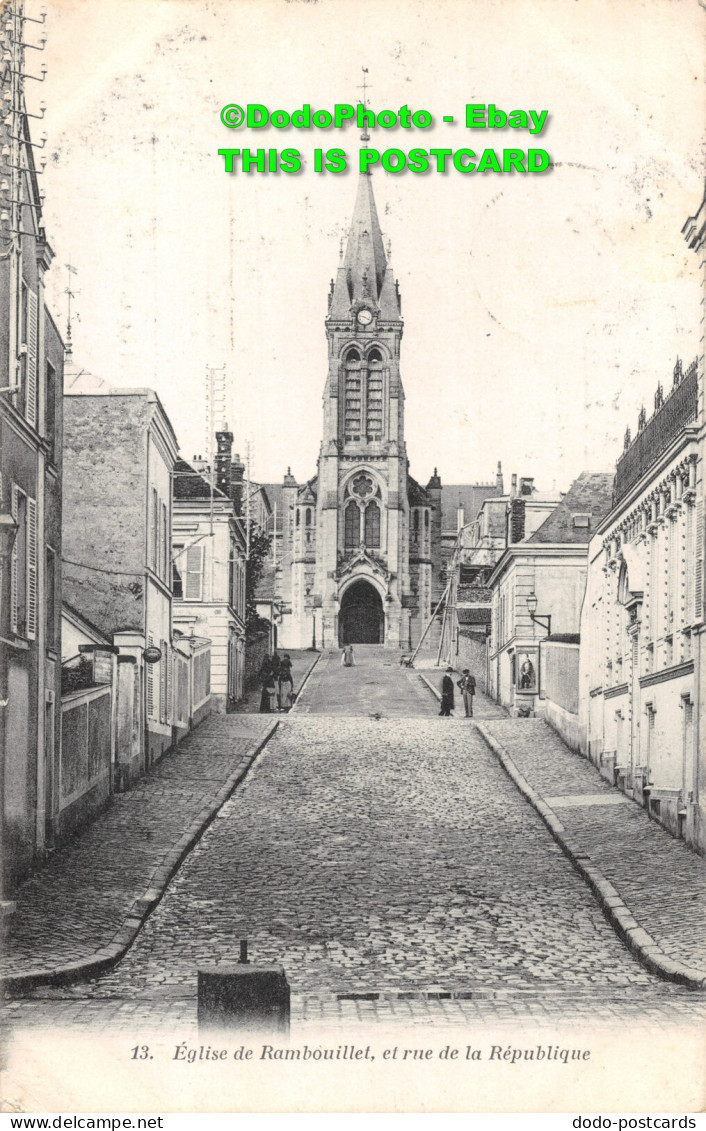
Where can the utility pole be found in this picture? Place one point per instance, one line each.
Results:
(12, 199)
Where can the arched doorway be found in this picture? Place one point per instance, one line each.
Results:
(361, 619)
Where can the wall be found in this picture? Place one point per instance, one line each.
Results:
(559, 674)
(105, 508)
(471, 653)
(255, 652)
(86, 757)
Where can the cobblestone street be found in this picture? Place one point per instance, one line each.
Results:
(394, 870)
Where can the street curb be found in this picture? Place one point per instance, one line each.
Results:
(112, 952)
(303, 684)
(638, 941)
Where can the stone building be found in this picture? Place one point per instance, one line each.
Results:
(537, 591)
(361, 547)
(120, 452)
(477, 546)
(31, 376)
(642, 694)
(208, 576)
(642, 623)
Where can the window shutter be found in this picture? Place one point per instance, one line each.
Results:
(13, 566)
(699, 563)
(31, 389)
(194, 572)
(150, 680)
(32, 563)
(163, 682)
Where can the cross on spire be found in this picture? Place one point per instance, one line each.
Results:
(365, 136)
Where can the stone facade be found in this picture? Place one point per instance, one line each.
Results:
(31, 380)
(359, 548)
(643, 618)
(120, 451)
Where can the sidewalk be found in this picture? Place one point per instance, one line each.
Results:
(79, 913)
(651, 886)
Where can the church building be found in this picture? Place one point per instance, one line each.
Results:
(359, 550)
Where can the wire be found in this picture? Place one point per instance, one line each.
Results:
(98, 569)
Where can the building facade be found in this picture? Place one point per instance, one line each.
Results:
(120, 452)
(208, 578)
(537, 593)
(643, 618)
(359, 548)
(31, 375)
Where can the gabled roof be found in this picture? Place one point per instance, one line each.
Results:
(590, 495)
(190, 484)
(470, 496)
(416, 495)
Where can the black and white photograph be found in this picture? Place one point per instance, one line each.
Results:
(352, 538)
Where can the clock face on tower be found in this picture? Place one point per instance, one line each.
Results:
(364, 317)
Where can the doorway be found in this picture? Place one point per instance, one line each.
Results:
(361, 619)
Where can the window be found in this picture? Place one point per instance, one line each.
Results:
(154, 532)
(373, 414)
(372, 526)
(352, 525)
(193, 585)
(177, 582)
(50, 410)
(28, 355)
(353, 392)
(164, 545)
(23, 612)
(49, 599)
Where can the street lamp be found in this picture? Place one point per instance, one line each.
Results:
(8, 533)
(543, 620)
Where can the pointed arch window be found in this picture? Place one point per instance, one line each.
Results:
(352, 525)
(372, 526)
(353, 407)
(373, 399)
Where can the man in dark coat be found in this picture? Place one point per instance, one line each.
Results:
(447, 694)
(467, 685)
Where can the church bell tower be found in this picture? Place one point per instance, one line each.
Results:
(362, 570)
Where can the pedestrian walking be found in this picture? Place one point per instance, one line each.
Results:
(467, 685)
(447, 694)
(348, 656)
(285, 684)
(267, 679)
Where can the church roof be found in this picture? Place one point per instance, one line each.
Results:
(589, 498)
(470, 496)
(416, 495)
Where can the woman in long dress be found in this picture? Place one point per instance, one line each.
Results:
(348, 656)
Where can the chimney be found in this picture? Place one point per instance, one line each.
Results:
(526, 486)
(237, 476)
(513, 486)
(459, 515)
(224, 440)
(499, 478)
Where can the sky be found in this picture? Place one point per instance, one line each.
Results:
(540, 311)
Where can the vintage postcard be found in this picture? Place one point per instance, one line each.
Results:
(352, 607)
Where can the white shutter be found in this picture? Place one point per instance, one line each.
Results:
(194, 573)
(32, 566)
(13, 566)
(31, 388)
(699, 564)
(149, 676)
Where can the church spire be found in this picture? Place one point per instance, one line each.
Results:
(361, 275)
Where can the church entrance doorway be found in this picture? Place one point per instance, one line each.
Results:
(361, 619)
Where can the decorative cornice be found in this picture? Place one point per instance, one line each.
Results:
(666, 674)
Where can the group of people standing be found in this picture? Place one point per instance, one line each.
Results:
(277, 684)
(467, 686)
